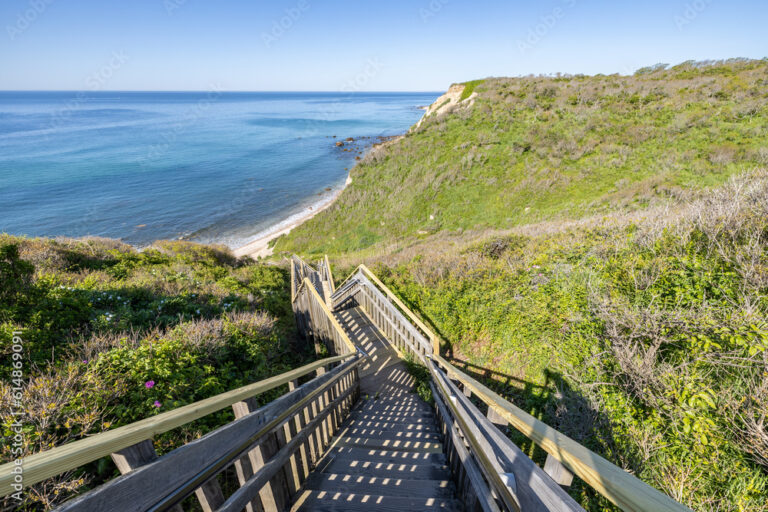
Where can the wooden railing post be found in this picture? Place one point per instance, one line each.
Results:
(209, 494)
(291, 468)
(497, 419)
(327, 294)
(136, 456)
(272, 494)
(557, 471)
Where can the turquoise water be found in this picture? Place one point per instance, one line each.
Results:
(210, 167)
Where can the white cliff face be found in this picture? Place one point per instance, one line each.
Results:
(448, 101)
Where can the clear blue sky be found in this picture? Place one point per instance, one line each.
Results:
(356, 45)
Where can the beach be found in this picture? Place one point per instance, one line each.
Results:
(259, 248)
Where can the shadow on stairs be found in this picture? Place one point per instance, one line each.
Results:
(388, 454)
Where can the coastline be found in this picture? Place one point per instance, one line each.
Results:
(259, 248)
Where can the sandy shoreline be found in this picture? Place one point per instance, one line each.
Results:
(259, 248)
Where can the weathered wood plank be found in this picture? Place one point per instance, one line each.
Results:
(246, 466)
(55, 461)
(209, 495)
(244, 494)
(153, 482)
(624, 490)
(136, 456)
(557, 471)
(349, 502)
(474, 491)
(534, 490)
(497, 419)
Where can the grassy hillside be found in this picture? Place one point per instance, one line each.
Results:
(645, 339)
(596, 248)
(533, 149)
(112, 335)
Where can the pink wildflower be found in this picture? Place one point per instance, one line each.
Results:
(149, 384)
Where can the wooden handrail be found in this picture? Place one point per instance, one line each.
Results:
(434, 339)
(623, 489)
(387, 317)
(49, 463)
(492, 475)
(306, 283)
(330, 274)
(497, 455)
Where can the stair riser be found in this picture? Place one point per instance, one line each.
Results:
(319, 500)
(392, 425)
(399, 435)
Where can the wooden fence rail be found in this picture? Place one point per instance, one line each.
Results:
(281, 442)
(49, 463)
(316, 322)
(518, 482)
(271, 448)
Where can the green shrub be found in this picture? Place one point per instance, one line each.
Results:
(100, 321)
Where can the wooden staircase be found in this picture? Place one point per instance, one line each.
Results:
(387, 456)
(349, 433)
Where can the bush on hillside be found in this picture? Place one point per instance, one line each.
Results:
(113, 335)
(644, 338)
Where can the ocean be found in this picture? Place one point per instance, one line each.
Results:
(213, 167)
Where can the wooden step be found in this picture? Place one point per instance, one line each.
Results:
(399, 396)
(410, 445)
(382, 411)
(338, 501)
(395, 407)
(388, 418)
(385, 456)
(394, 415)
(418, 471)
(394, 433)
(378, 486)
(392, 425)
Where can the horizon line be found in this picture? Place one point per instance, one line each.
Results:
(220, 91)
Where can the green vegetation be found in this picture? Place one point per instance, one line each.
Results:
(596, 249)
(539, 148)
(113, 335)
(469, 88)
(646, 341)
(593, 248)
(421, 376)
